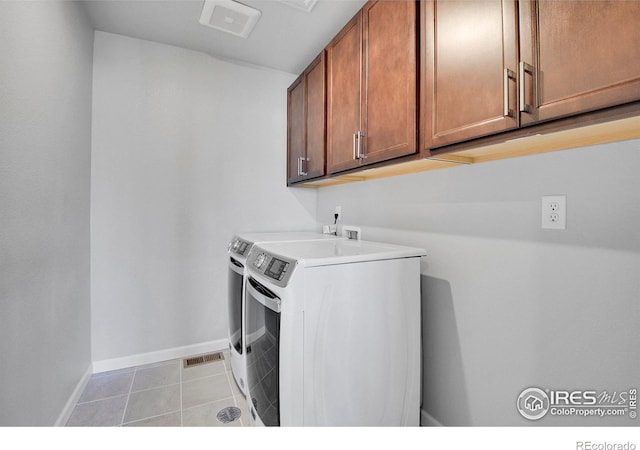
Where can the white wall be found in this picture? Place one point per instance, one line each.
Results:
(507, 305)
(45, 142)
(187, 150)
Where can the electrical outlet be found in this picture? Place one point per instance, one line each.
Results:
(554, 212)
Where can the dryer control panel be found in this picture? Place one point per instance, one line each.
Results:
(275, 268)
(239, 246)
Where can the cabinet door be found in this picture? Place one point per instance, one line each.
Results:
(580, 56)
(306, 124)
(315, 116)
(343, 96)
(470, 62)
(389, 119)
(295, 129)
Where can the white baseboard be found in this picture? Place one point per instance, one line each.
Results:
(73, 399)
(427, 420)
(159, 355)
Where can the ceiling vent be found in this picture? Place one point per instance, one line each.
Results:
(305, 5)
(229, 16)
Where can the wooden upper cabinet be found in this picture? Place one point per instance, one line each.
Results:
(372, 87)
(316, 118)
(390, 59)
(490, 66)
(306, 124)
(295, 129)
(486, 67)
(580, 56)
(344, 62)
(470, 68)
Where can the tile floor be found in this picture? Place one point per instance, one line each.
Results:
(161, 394)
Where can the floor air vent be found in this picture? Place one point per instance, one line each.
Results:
(202, 359)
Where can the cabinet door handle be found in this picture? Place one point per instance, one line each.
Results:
(508, 75)
(360, 154)
(355, 146)
(524, 68)
(301, 161)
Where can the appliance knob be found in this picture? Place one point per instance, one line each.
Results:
(260, 260)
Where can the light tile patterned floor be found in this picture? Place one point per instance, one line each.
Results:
(161, 394)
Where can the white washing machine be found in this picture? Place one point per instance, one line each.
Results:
(333, 334)
(239, 249)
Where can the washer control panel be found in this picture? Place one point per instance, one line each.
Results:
(239, 246)
(276, 268)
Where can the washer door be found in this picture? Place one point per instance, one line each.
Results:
(236, 286)
(263, 352)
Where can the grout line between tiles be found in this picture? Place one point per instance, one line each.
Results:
(202, 376)
(153, 417)
(155, 387)
(235, 403)
(126, 405)
(100, 399)
(181, 408)
(208, 403)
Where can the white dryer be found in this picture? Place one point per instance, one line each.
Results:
(239, 249)
(333, 334)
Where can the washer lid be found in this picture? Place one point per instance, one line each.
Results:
(330, 252)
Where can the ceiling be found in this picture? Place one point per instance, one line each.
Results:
(285, 38)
